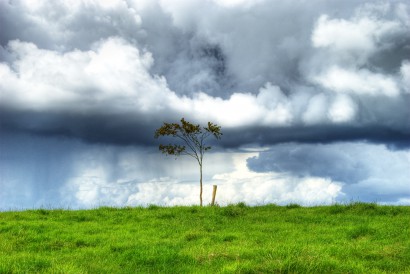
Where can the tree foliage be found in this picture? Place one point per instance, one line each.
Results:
(192, 141)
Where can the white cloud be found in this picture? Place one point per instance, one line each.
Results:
(107, 175)
(358, 35)
(342, 109)
(316, 109)
(353, 41)
(244, 185)
(347, 49)
(167, 192)
(116, 73)
(270, 107)
(239, 185)
(93, 185)
(237, 3)
(362, 82)
(368, 171)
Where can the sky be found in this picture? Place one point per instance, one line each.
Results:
(312, 96)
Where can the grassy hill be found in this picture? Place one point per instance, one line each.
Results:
(355, 238)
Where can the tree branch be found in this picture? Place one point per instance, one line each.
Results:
(189, 145)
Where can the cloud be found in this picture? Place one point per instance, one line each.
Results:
(68, 173)
(405, 73)
(109, 73)
(233, 69)
(342, 110)
(237, 185)
(368, 171)
(110, 89)
(351, 47)
(358, 81)
(65, 26)
(78, 81)
(358, 37)
(268, 108)
(245, 185)
(76, 175)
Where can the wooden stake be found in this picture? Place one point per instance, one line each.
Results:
(213, 195)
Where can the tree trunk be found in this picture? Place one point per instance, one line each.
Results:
(200, 184)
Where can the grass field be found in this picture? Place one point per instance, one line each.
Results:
(354, 238)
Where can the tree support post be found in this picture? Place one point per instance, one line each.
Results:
(213, 195)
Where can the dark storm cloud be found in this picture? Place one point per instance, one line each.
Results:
(110, 129)
(307, 160)
(138, 130)
(394, 138)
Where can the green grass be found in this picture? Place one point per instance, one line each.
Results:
(354, 238)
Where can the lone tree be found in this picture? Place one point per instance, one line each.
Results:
(192, 138)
